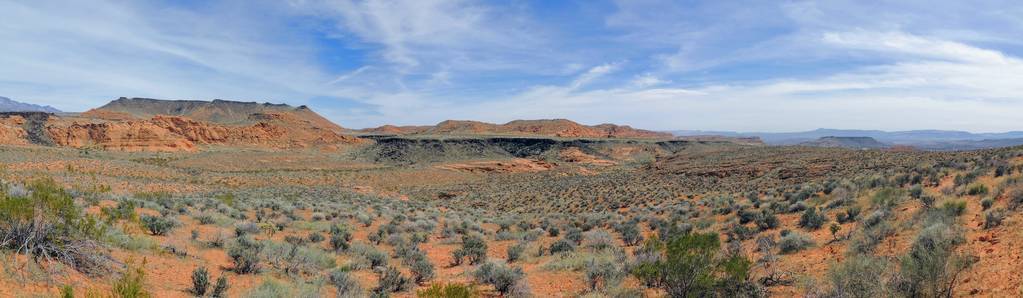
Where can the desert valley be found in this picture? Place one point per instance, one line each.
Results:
(242, 199)
(513, 149)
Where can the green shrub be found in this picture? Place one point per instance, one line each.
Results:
(270, 288)
(602, 275)
(46, 224)
(766, 220)
(450, 290)
(421, 269)
(220, 289)
(392, 281)
(812, 219)
(857, 276)
(932, 267)
(200, 281)
(245, 253)
(954, 208)
(158, 226)
(1014, 198)
(986, 204)
(315, 237)
(515, 252)
(473, 247)
(347, 286)
(562, 245)
(977, 190)
(993, 218)
(691, 265)
(499, 275)
(131, 284)
(794, 242)
(340, 238)
(598, 240)
(296, 259)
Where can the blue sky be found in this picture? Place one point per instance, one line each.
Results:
(701, 65)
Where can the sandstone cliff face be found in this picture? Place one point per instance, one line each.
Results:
(139, 124)
(120, 136)
(172, 133)
(11, 131)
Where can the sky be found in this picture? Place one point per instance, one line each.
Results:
(662, 65)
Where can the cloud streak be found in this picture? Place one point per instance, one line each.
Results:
(768, 66)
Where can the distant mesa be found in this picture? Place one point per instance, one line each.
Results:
(9, 105)
(560, 128)
(846, 142)
(145, 124)
(216, 111)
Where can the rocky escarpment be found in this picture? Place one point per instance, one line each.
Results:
(171, 133)
(124, 125)
(536, 128)
(217, 111)
(24, 128)
(413, 150)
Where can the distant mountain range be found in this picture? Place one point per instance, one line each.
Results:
(921, 139)
(9, 105)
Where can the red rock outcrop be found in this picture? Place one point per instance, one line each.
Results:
(120, 136)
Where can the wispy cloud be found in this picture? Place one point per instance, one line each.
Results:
(654, 64)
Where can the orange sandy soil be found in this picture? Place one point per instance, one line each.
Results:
(169, 275)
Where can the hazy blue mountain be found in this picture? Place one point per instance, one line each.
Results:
(9, 105)
(923, 139)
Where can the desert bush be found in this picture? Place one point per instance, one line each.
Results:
(602, 275)
(315, 237)
(812, 219)
(340, 238)
(766, 220)
(993, 218)
(598, 240)
(43, 221)
(245, 253)
(915, 191)
(932, 266)
(562, 245)
(132, 282)
(692, 266)
(954, 208)
(270, 288)
(246, 228)
(158, 226)
(986, 204)
(346, 284)
(1014, 198)
(450, 290)
(857, 277)
(499, 275)
(553, 231)
(421, 269)
(574, 234)
(204, 218)
(630, 234)
(473, 247)
(515, 252)
(220, 289)
(794, 242)
(977, 190)
(295, 259)
(392, 281)
(375, 256)
(200, 281)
